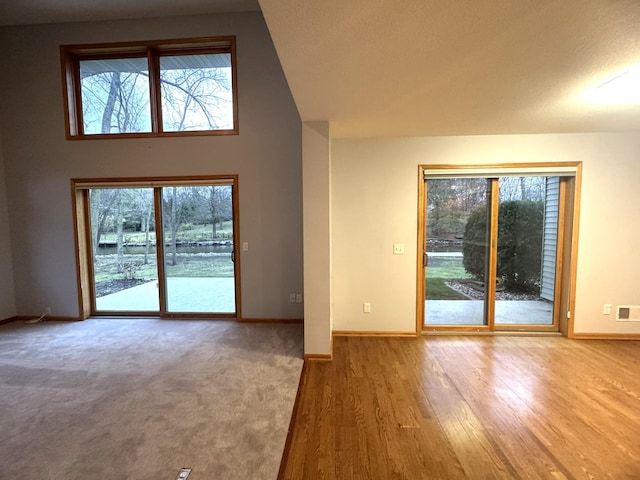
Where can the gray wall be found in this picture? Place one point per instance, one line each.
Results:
(40, 162)
(7, 302)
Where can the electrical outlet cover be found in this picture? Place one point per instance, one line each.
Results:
(183, 474)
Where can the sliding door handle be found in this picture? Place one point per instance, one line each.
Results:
(233, 255)
(425, 259)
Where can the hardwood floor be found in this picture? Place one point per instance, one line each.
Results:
(468, 407)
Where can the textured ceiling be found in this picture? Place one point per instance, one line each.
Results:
(26, 12)
(423, 67)
(431, 67)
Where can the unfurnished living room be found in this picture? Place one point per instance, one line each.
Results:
(260, 239)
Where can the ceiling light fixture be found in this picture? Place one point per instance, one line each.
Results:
(621, 89)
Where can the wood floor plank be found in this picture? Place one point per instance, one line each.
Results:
(469, 407)
(491, 397)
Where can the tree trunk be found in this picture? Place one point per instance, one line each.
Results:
(114, 88)
(212, 210)
(94, 207)
(523, 189)
(174, 227)
(146, 221)
(99, 214)
(120, 234)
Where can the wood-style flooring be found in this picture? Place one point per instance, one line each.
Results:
(468, 407)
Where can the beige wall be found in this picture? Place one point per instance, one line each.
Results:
(374, 204)
(316, 148)
(7, 300)
(40, 162)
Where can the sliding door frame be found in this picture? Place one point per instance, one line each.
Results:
(566, 253)
(82, 236)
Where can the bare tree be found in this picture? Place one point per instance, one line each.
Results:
(438, 193)
(178, 207)
(117, 101)
(119, 217)
(450, 201)
(219, 203)
(102, 203)
(142, 208)
(195, 95)
(173, 224)
(195, 98)
(212, 206)
(522, 188)
(112, 208)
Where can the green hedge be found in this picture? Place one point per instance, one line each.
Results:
(519, 244)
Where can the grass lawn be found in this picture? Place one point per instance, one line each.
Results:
(201, 266)
(439, 270)
(186, 233)
(189, 265)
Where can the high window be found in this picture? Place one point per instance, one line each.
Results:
(172, 87)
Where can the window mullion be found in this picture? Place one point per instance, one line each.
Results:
(77, 96)
(154, 90)
(162, 276)
(492, 258)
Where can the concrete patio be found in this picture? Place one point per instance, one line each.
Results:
(190, 295)
(216, 295)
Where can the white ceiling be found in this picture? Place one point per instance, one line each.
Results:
(423, 67)
(433, 67)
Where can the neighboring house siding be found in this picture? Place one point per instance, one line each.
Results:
(550, 238)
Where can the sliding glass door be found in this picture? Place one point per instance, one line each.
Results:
(526, 251)
(491, 251)
(125, 270)
(199, 250)
(165, 249)
(456, 288)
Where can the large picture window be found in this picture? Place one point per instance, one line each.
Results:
(177, 87)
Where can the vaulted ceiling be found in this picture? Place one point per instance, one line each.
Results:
(26, 12)
(424, 67)
(427, 67)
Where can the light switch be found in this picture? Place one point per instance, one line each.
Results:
(245, 246)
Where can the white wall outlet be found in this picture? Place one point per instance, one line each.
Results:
(366, 307)
(47, 311)
(298, 298)
(292, 298)
(606, 309)
(398, 248)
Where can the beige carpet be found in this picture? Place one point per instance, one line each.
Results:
(141, 398)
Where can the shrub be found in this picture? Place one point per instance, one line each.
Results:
(519, 244)
(474, 243)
